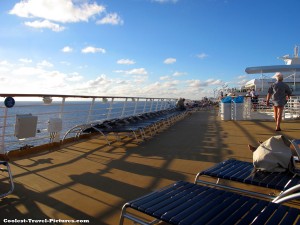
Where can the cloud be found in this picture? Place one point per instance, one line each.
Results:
(138, 71)
(242, 77)
(126, 61)
(44, 63)
(74, 77)
(22, 71)
(194, 83)
(165, 78)
(170, 84)
(211, 82)
(24, 60)
(45, 78)
(100, 80)
(178, 74)
(45, 24)
(63, 11)
(4, 63)
(67, 49)
(202, 56)
(91, 49)
(49, 14)
(42, 78)
(169, 60)
(111, 18)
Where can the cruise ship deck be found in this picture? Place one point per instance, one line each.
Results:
(89, 180)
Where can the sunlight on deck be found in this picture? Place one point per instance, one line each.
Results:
(91, 180)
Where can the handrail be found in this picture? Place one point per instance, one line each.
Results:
(71, 109)
(76, 96)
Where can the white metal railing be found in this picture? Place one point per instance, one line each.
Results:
(71, 110)
(258, 110)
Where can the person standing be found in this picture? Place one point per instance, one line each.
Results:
(180, 104)
(280, 92)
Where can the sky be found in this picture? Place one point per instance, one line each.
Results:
(141, 48)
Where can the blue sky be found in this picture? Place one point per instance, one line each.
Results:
(148, 48)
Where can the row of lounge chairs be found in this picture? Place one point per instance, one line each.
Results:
(142, 123)
(140, 126)
(206, 202)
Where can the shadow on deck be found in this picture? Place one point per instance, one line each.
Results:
(91, 181)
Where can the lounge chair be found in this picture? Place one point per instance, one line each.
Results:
(242, 172)
(186, 203)
(135, 125)
(5, 168)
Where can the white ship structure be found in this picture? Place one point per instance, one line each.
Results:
(290, 71)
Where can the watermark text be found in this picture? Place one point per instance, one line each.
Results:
(43, 221)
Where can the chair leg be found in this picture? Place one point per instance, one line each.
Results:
(7, 169)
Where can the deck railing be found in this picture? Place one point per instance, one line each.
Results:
(249, 110)
(56, 114)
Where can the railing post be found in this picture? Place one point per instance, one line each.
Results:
(135, 107)
(110, 108)
(145, 105)
(124, 107)
(2, 150)
(157, 101)
(152, 100)
(62, 107)
(163, 104)
(90, 110)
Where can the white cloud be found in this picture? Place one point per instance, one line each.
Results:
(214, 82)
(24, 60)
(67, 49)
(4, 63)
(44, 78)
(26, 71)
(202, 56)
(45, 24)
(126, 61)
(170, 84)
(169, 60)
(138, 71)
(44, 63)
(194, 83)
(65, 63)
(165, 78)
(17, 78)
(178, 74)
(63, 11)
(100, 80)
(242, 77)
(74, 77)
(91, 49)
(111, 18)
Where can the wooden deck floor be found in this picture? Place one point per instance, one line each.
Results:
(91, 181)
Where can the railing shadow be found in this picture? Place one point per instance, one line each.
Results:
(89, 180)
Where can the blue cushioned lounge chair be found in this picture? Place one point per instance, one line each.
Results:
(243, 172)
(186, 203)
